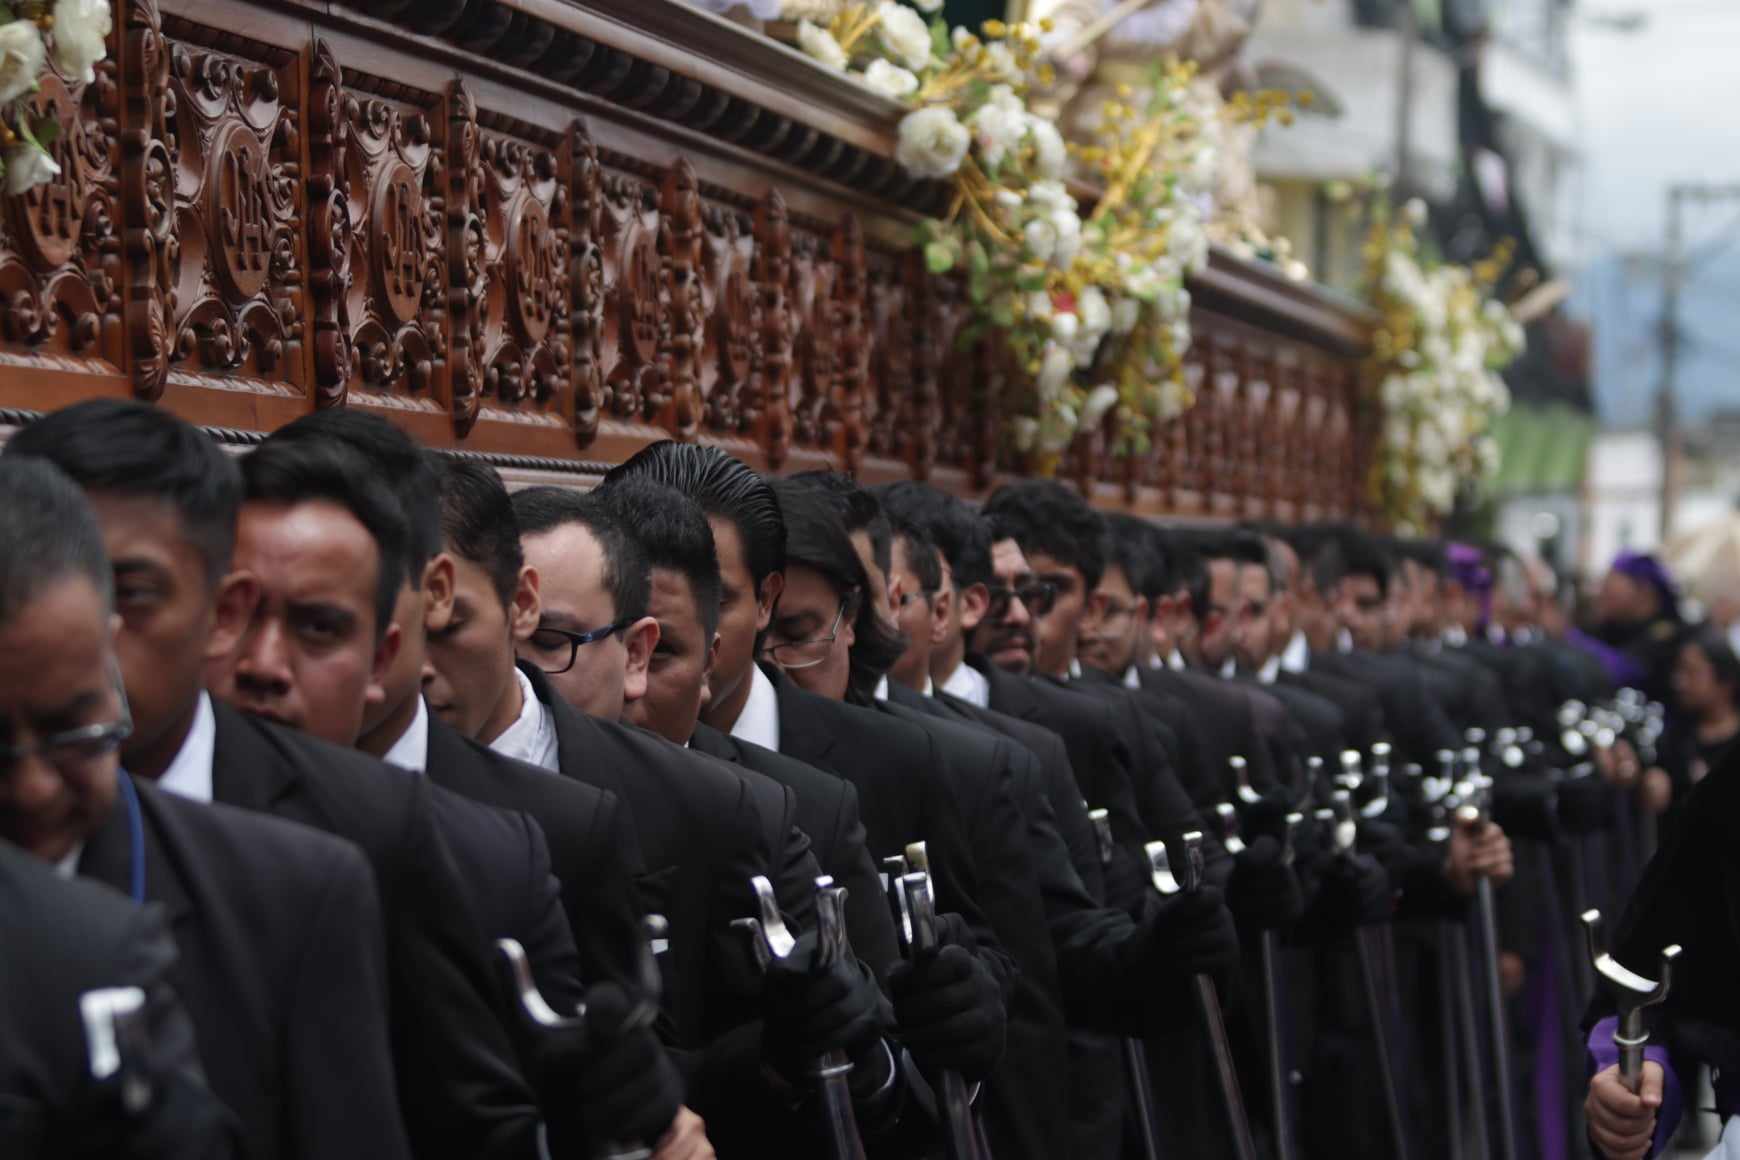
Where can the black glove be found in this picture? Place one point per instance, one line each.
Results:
(629, 1089)
(1129, 881)
(1354, 891)
(1191, 934)
(950, 1011)
(1264, 893)
(811, 1010)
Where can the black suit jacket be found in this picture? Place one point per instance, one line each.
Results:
(593, 851)
(827, 810)
(460, 1086)
(1415, 717)
(701, 841)
(1227, 717)
(1321, 724)
(62, 939)
(1362, 711)
(281, 969)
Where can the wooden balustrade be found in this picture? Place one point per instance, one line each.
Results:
(549, 233)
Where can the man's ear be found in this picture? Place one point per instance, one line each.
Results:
(975, 600)
(237, 596)
(707, 672)
(386, 652)
(438, 585)
(942, 608)
(1139, 609)
(640, 638)
(523, 613)
(767, 599)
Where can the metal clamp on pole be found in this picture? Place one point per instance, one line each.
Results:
(1184, 876)
(117, 1044)
(1631, 994)
(1135, 1055)
(918, 933)
(569, 1033)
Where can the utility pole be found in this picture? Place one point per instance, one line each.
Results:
(1408, 30)
(1667, 425)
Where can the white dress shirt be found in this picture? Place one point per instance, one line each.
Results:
(881, 693)
(68, 867)
(758, 724)
(1229, 669)
(532, 736)
(1175, 661)
(1344, 641)
(1455, 636)
(970, 685)
(1132, 678)
(189, 775)
(1270, 670)
(1296, 657)
(411, 750)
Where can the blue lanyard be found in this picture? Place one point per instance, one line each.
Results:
(135, 836)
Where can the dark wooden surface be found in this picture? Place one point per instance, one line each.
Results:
(547, 234)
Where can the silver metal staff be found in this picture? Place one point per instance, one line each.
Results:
(1473, 812)
(1631, 994)
(1135, 1054)
(1184, 876)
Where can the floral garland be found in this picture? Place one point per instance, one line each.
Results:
(1435, 363)
(77, 33)
(1093, 308)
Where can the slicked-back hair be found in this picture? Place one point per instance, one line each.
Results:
(1044, 515)
(959, 530)
(1188, 571)
(394, 460)
(47, 535)
(726, 488)
(860, 509)
(1129, 546)
(478, 523)
(816, 536)
(674, 533)
(1241, 547)
(133, 449)
(1346, 551)
(627, 573)
(295, 471)
(921, 554)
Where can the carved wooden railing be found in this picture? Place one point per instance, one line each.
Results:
(549, 233)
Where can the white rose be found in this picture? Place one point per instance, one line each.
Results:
(21, 57)
(81, 35)
(903, 34)
(998, 125)
(1054, 371)
(1057, 428)
(1040, 237)
(1068, 227)
(1025, 429)
(1000, 62)
(1049, 155)
(890, 79)
(928, 7)
(1178, 338)
(1126, 312)
(933, 142)
(1047, 195)
(1100, 400)
(1096, 313)
(1039, 307)
(27, 167)
(819, 44)
(1065, 326)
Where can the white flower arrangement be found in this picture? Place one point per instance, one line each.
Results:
(1436, 361)
(75, 33)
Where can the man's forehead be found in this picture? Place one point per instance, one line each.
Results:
(297, 544)
(1008, 559)
(567, 556)
(671, 595)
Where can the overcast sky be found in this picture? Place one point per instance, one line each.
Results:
(1658, 106)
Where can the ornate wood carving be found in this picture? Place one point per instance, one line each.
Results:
(771, 277)
(682, 312)
(329, 227)
(148, 161)
(585, 202)
(466, 274)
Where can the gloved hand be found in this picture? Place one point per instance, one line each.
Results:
(1354, 890)
(1264, 893)
(812, 1009)
(629, 1090)
(1191, 934)
(949, 1010)
(1129, 881)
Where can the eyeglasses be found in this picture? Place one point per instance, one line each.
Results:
(551, 643)
(74, 749)
(1038, 596)
(806, 654)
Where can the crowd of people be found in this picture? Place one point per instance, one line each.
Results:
(354, 805)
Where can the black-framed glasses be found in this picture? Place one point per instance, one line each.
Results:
(74, 749)
(806, 654)
(1038, 596)
(557, 648)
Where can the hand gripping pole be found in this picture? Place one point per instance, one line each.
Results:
(1631, 994)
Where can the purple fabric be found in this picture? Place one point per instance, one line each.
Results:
(1552, 1136)
(1604, 1053)
(1622, 670)
(1467, 567)
(1647, 569)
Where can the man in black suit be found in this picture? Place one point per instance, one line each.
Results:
(67, 940)
(277, 926)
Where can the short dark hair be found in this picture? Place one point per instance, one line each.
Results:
(47, 534)
(134, 449)
(478, 522)
(1129, 546)
(1187, 571)
(1044, 515)
(861, 510)
(726, 488)
(1346, 551)
(816, 536)
(295, 471)
(921, 554)
(959, 530)
(1241, 547)
(1713, 643)
(673, 532)
(397, 462)
(627, 572)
